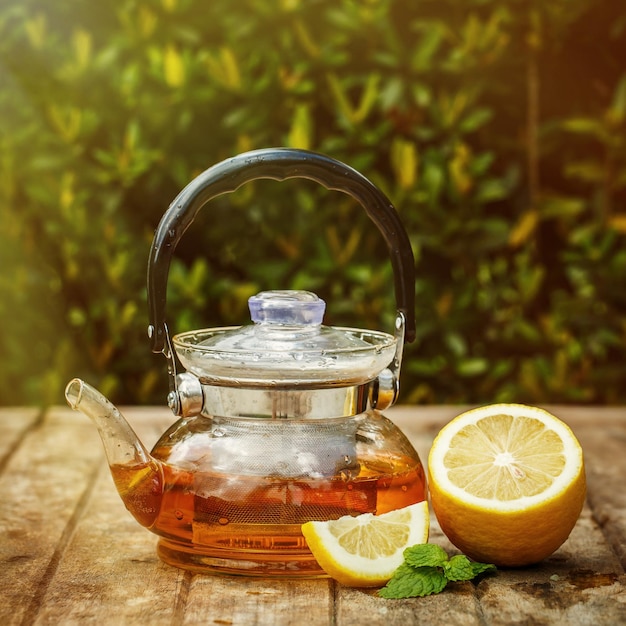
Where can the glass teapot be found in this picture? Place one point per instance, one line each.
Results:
(279, 421)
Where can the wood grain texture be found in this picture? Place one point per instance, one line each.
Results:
(71, 554)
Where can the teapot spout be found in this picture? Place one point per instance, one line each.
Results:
(137, 476)
(121, 444)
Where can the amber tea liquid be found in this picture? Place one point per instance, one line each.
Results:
(251, 524)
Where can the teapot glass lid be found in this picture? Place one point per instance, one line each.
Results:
(286, 346)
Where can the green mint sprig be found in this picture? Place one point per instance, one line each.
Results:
(427, 570)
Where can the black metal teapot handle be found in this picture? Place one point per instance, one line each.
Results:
(277, 164)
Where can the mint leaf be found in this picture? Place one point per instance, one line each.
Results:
(479, 568)
(425, 554)
(412, 582)
(459, 567)
(426, 570)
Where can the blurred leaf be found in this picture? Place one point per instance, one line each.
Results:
(456, 343)
(428, 41)
(391, 93)
(173, 67)
(458, 167)
(354, 115)
(561, 206)
(472, 367)
(617, 111)
(474, 120)
(301, 128)
(618, 222)
(524, 228)
(588, 171)
(584, 126)
(433, 180)
(491, 189)
(404, 160)
(223, 67)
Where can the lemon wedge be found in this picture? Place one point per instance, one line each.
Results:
(507, 483)
(365, 550)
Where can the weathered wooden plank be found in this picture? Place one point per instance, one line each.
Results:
(433, 418)
(582, 583)
(109, 572)
(588, 415)
(453, 607)
(148, 422)
(15, 422)
(602, 434)
(94, 579)
(41, 487)
(241, 601)
(73, 554)
(604, 446)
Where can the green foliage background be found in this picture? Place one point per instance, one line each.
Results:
(497, 128)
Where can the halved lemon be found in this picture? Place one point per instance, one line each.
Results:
(507, 483)
(365, 550)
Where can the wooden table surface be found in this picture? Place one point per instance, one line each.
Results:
(70, 553)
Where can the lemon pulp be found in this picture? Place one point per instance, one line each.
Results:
(365, 550)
